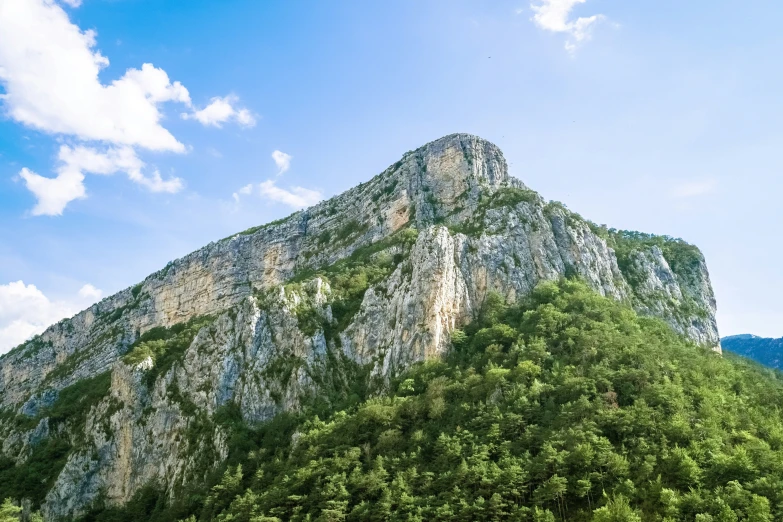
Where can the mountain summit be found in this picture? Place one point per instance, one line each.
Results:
(346, 294)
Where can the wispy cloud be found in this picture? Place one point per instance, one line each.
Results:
(294, 197)
(282, 160)
(244, 191)
(555, 16)
(221, 110)
(692, 189)
(53, 194)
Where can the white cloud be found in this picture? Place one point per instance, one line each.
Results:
(16, 332)
(244, 191)
(88, 291)
(554, 15)
(25, 311)
(49, 69)
(245, 118)
(54, 194)
(219, 111)
(155, 183)
(691, 189)
(295, 197)
(90, 160)
(282, 160)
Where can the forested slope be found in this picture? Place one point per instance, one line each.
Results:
(567, 406)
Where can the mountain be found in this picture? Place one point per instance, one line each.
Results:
(319, 311)
(768, 352)
(565, 406)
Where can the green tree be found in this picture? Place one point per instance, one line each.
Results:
(9, 512)
(617, 509)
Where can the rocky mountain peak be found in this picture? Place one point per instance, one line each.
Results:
(347, 293)
(465, 156)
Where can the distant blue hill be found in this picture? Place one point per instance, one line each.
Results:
(768, 352)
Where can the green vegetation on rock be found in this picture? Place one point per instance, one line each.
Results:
(48, 456)
(350, 278)
(501, 198)
(30, 348)
(252, 230)
(164, 346)
(683, 258)
(567, 406)
(686, 263)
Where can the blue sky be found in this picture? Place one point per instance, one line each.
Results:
(657, 116)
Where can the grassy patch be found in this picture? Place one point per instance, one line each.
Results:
(165, 346)
(684, 259)
(505, 197)
(350, 278)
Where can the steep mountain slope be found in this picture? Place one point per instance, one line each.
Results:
(332, 301)
(566, 406)
(766, 351)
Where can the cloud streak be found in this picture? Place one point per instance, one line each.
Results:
(294, 197)
(282, 160)
(221, 110)
(244, 191)
(53, 194)
(692, 189)
(555, 16)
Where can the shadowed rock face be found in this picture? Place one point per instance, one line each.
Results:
(440, 229)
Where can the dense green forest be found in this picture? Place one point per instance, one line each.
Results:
(566, 406)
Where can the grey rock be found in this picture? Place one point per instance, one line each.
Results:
(479, 231)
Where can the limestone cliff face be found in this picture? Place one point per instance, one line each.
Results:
(280, 321)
